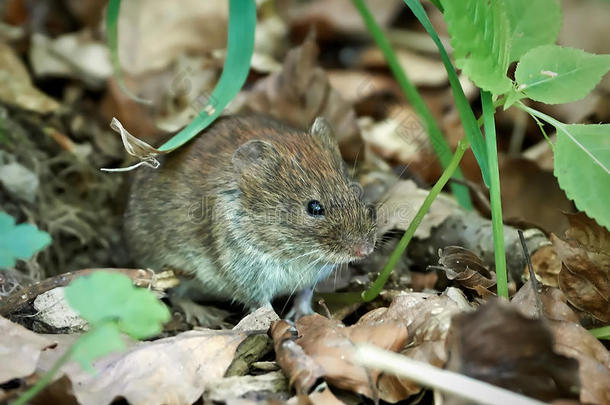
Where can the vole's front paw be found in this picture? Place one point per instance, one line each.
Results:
(301, 306)
(202, 315)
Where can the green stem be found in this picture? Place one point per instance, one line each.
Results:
(45, 379)
(601, 333)
(434, 133)
(377, 286)
(494, 193)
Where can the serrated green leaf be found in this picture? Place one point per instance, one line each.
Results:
(480, 36)
(532, 23)
(105, 296)
(582, 162)
(103, 339)
(553, 74)
(19, 241)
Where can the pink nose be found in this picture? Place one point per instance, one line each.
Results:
(363, 249)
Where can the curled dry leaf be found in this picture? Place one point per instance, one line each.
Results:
(173, 370)
(466, 269)
(19, 350)
(324, 348)
(300, 92)
(428, 320)
(16, 86)
(499, 345)
(585, 275)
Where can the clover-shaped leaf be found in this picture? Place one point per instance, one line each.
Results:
(105, 296)
(19, 241)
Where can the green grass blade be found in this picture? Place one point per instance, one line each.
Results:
(112, 38)
(434, 133)
(240, 46)
(601, 333)
(496, 203)
(473, 132)
(377, 286)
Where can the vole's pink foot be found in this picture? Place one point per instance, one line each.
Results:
(301, 306)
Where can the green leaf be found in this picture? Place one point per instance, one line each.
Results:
(104, 296)
(19, 241)
(438, 142)
(582, 162)
(112, 39)
(480, 36)
(240, 46)
(471, 127)
(532, 23)
(101, 340)
(553, 74)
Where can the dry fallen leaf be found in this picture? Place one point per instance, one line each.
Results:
(173, 370)
(466, 269)
(16, 86)
(300, 92)
(428, 319)
(19, 350)
(499, 345)
(400, 204)
(585, 275)
(155, 33)
(325, 347)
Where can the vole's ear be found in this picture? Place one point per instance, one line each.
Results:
(254, 153)
(322, 129)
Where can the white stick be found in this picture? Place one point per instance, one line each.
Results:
(442, 380)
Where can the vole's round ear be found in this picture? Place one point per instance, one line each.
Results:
(322, 129)
(254, 153)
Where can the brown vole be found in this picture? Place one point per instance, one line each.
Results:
(253, 207)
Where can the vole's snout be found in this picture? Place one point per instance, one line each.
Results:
(363, 248)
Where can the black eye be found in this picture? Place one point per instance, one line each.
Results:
(315, 209)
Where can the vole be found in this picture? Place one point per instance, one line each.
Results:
(253, 207)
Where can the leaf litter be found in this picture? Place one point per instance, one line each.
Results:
(60, 138)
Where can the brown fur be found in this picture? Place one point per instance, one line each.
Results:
(239, 220)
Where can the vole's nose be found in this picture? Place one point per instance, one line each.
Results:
(363, 249)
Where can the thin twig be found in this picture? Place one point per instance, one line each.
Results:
(533, 280)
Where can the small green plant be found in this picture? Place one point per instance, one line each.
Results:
(111, 305)
(487, 37)
(19, 241)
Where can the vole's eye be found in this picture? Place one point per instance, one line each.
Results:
(315, 208)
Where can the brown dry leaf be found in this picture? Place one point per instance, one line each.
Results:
(574, 341)
(499, 345)
(421, 70)
(320, 396)
(466, 269)
(19, 350)
(335, 17)
(554, 303)
(400, 204)
(300, 93)
(16, 86)
(585, 275)
(547, 265)
(355, 86)
(155, 33)
(324, 348)
(173, 370)
(428, 320)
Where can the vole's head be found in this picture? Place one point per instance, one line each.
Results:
(297, 201)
